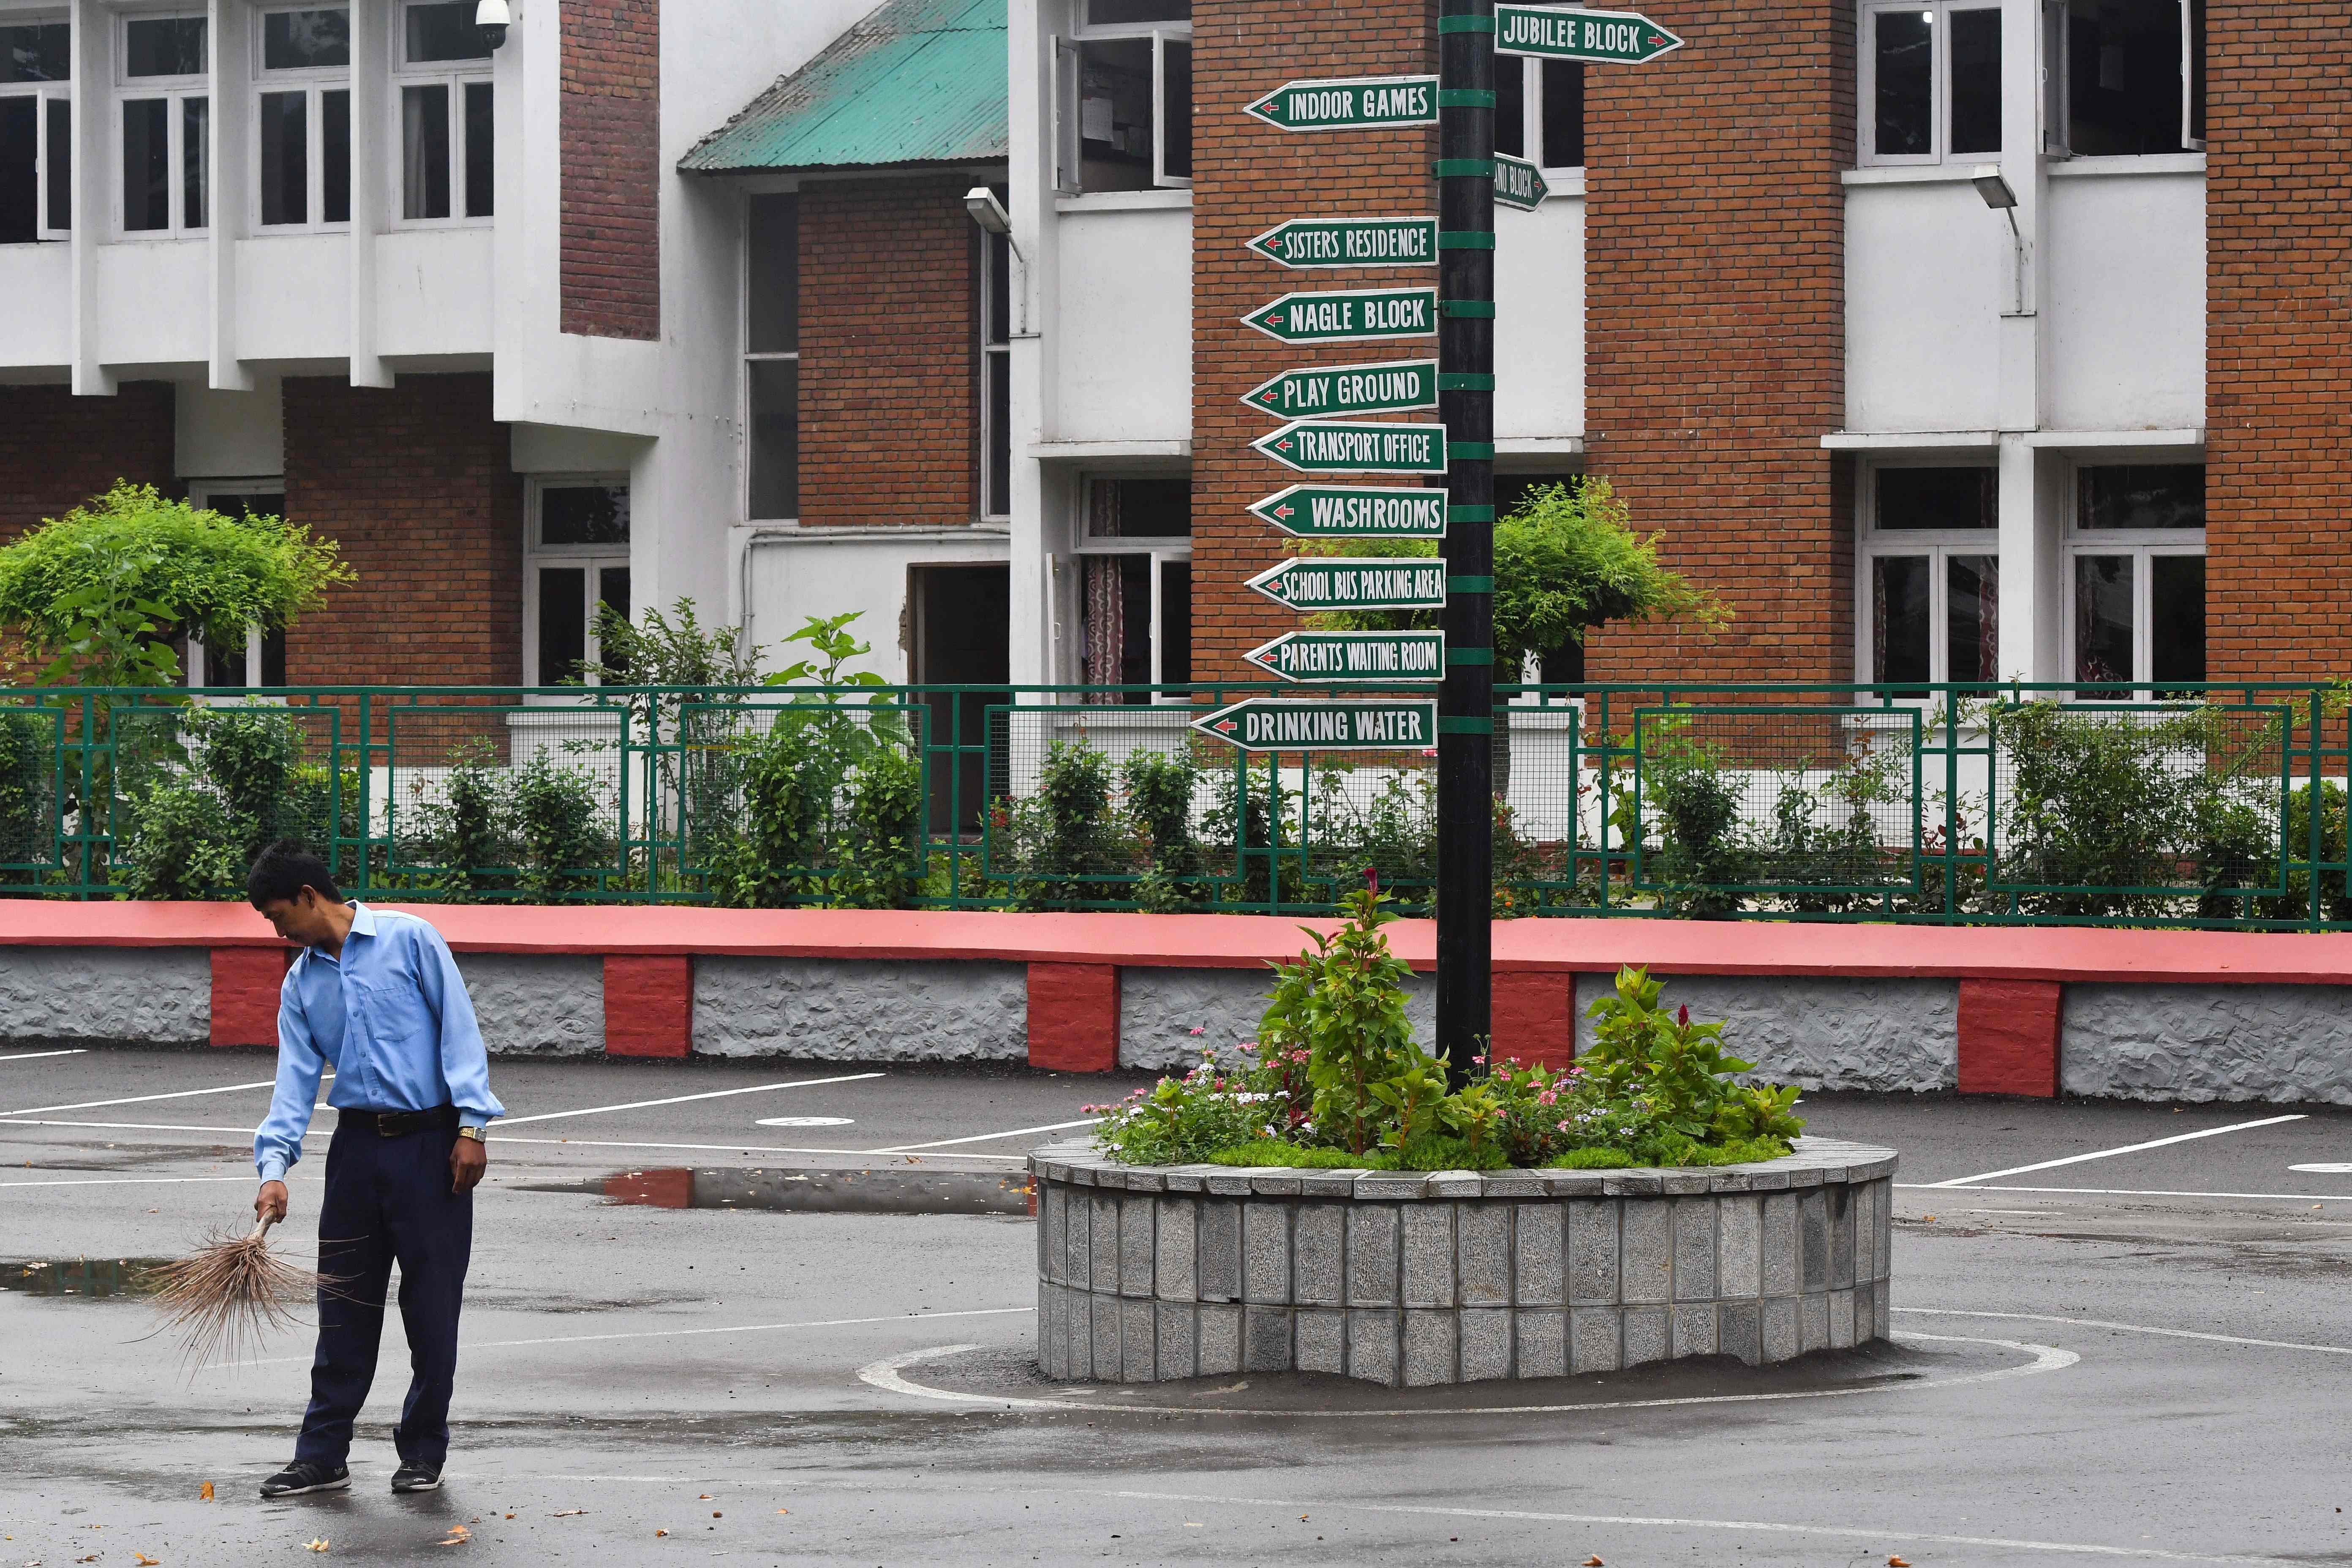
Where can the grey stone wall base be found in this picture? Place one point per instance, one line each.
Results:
(537, 1006)
(117, 995)
(844, 1010)
(2284, 1044)
(1891, 1036)
(1158, 1009)
(1149, 1274)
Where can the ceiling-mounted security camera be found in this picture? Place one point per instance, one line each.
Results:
(493, 18)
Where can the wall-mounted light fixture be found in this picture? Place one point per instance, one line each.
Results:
(2001, 196)
(987, 211)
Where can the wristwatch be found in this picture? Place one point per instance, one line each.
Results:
(473, 1132)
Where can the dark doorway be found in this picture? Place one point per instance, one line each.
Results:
(961, 637)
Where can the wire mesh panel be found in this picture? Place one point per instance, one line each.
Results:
(507, 802)
(195, 792)
(1776, 800)
(2099, 805)
(32, 794)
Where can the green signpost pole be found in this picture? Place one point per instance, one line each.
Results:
(1466, 705)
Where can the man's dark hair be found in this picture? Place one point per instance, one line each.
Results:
(284, 870)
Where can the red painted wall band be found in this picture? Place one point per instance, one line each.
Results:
(1074, 1018)
(2009, 1037)
(648, 1006)
(246, 983)
(1535, 1018)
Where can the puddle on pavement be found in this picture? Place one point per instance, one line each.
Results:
(811, 1191)
(91, 1278)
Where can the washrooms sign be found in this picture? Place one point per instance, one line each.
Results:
(1358, 511)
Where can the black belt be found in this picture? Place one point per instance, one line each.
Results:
(399, 1123)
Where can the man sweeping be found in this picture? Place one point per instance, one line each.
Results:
(376, 996)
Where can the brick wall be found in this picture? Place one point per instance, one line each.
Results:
(1247, 177)
(611, 120)
(414, 483)
(890, 416)
(56, 449)
(1715, 229)
(2278, 338)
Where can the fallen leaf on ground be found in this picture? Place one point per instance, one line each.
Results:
(705, 1497)
(788, 1511)
(459, 1535)
(659, 1533)
(205, 1492)
(146, 1561)
(1593, 1563)
(1896, 1562)
(320, 1544)
(565, 1513)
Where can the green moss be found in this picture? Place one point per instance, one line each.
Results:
(1739, 1151)
(1271, 1152)
(1593, 1160)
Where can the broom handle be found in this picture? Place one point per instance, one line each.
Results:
(266, 1221)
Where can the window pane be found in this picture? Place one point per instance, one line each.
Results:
(305, 40)
(20, 170)
(1176, 101)
(147, 163)
(774, 419)
(335, 156)
(60, 163)
(584, 514)
(1175, 622)
(1563, 114)
(1109, 12)
(163, 46)
(1904, 45)
(481, 150)
(273, 658)
(999, 326)
(1900, 606)
(613, 590)
(2197, 71)
(2176, 618)
(1000, 435)
(1944, 500)
(1154, 509)
(1134, 623)
(445, 32)
(773, 274)
(424, 151)
(1510, 105)
(1976, 82)
(225, 664)
(1972, 617)
(195, 160)
(285, 159)
(37, 52)
(2103, 618)
(2123, 78)
(1115, 114)
(562, 623)
(2169, 495)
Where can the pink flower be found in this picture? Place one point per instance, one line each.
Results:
(1372, 879)
(1200, 1028)
(1479, 1060)
(1682, 1018)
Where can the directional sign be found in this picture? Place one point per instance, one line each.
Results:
(1392, 388)
(1318, 582)
(1518, 184)
(1348, 316)
(1343, 512)
(1312, 447)
(1350, 103)
(1602, 37)
(1350, 242)
(1333, 656)
(1285, 724)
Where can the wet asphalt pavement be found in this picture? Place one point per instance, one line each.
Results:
(2142, 1357)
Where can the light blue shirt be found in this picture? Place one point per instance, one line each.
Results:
(392, 1018)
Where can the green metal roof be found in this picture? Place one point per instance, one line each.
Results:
(918, 81)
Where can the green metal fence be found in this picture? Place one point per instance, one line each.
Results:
(2219, 807)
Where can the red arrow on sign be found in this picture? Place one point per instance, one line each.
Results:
(1286, 512)
(1228, 726)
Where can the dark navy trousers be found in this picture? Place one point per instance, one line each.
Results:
(387, 1200)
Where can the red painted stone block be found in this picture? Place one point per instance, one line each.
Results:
(669, 1188)
(648, 1006)
(246, 982)
(2009, 1037)
(1074, 1018)
(1535, 1018)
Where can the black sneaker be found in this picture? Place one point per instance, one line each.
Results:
(415, 1479)
(303, 1477)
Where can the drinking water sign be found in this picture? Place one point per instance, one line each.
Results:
(1350, 103)
(1292, 724)
(1602, 37)
(1399, 387)
(1348, 316)
(1357, 511)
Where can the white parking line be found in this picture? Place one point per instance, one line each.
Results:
(36, 1056)
(154, 1126)
(2111, 1153)
(983, 1137)
(2129, 1193)
(496, 1137)
(141, 1099)
(2131, 1329)
(673, 1099)
(128, 1181)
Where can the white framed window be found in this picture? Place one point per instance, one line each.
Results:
(2135, 573)
(995, 389)
(771, 358)
(1539, 110)
(35, 130)
(1929, 573)
(1123, 97)
(163, 124)
(259, 660)
(1930, 79)
(2126, 78)
(1135, 583)
(443, 119)
(302, 117)
(576, 557)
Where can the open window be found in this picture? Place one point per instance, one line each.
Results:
(1123, 97)
(1930, 575)
(1930, 78)
(2128, 76)
(1136, 585)
(35, 130)
(578, 558)
(2135, 566)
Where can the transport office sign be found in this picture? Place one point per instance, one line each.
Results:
(1290, 724)
(1315, 447)
(1349, 103)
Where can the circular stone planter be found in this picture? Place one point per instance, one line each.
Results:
(1146, 1273)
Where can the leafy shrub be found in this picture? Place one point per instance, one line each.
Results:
(1066, 837)
(184, 841)
(28, 763)
(559, 824)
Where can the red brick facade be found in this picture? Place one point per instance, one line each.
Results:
(1715, 323)
(1247, 177)
(2278, 347)
(889, 428)
(56, 449)
(416, 485)
(611, 118)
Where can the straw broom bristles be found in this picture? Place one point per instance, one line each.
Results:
(223, 1297)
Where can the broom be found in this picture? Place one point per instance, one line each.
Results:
(223, 1298)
